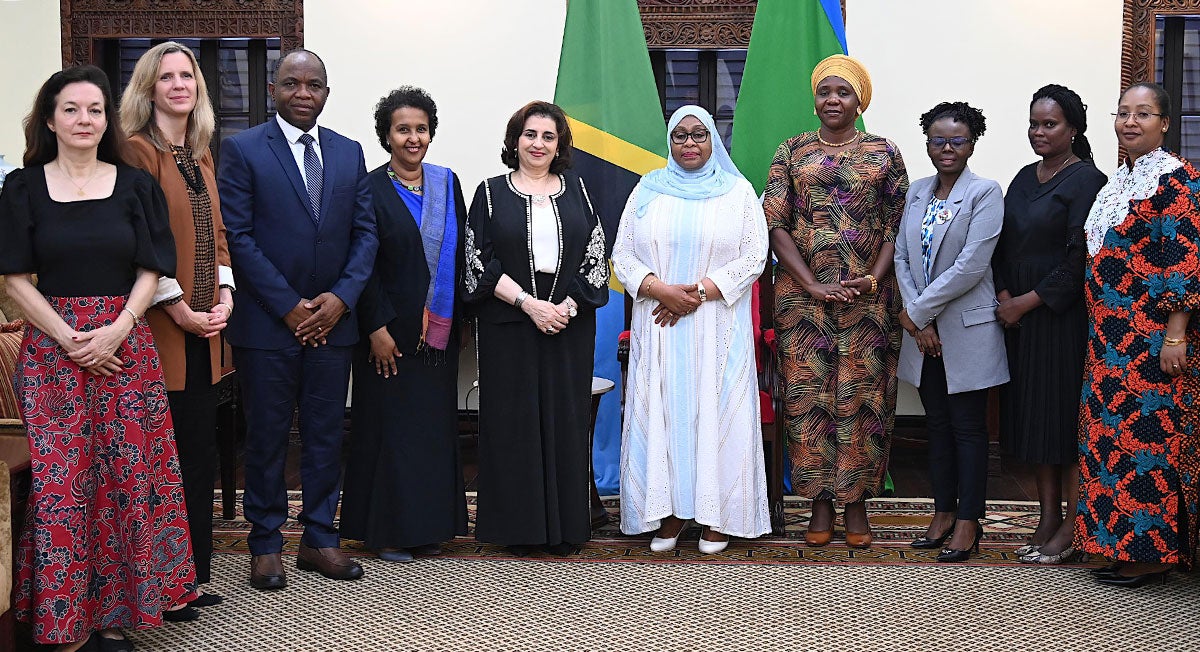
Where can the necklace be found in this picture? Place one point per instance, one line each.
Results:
(394, 177)
(826, 143)
(78, 188)
(1042, 168)
(538, 198)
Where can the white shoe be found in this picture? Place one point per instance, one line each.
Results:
(659, 544)
(712, 547)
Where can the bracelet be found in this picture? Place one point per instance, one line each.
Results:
(1171, 341)
(521, 297)
(650, 285)
(222, 303)
(131, 314)
(700, 290)
(874, 283)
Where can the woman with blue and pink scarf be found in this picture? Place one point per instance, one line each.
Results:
(403, 492)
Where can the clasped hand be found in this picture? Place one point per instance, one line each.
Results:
(547, 317)
(96, 350)
(674, 301)
(844, 292)
(311, 320)
(927, 338)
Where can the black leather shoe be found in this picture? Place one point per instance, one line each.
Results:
(330, 562)
(206, 600)
(112, 644)
(563, 549)
(427, 550)
(1106, 571)
(184, 615)
(266, 572)
(1134, 581)
(950, 556)
(520, 550)
(925, 543)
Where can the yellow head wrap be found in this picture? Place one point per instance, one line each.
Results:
(848, 68)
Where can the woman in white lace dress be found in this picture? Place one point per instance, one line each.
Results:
(692, 241)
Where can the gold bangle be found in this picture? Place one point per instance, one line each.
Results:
(650, 285)
(131, 314)
(1171, 341)
(874, 283)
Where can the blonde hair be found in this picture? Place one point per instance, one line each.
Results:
(137, 103)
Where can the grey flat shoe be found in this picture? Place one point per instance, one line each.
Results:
(1026, 549)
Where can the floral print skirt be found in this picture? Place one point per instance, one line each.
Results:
(105, 542)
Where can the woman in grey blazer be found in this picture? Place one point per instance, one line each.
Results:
(954, 350)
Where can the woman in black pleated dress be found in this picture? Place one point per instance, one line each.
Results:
(403, 494)
(1039, 265)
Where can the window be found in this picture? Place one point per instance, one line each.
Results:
(236, 70)
(1177, 68)
(709, 78)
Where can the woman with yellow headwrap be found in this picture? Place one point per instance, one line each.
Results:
(833, 202)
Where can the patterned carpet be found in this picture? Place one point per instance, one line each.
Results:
(485, 604)
(770, 594)
(895, 522)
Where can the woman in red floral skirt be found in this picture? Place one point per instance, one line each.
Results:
(105, 543)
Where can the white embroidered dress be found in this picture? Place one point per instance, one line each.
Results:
(692, 442)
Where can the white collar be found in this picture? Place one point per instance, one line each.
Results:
(292, 133)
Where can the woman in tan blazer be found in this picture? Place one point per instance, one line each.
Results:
(169, 119)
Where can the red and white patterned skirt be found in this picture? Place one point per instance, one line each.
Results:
(106, 541)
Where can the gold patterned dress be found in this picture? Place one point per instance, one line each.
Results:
(837, 361)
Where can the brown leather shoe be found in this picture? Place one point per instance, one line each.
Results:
(330, 562)
(859, 539)
(266, 572)
(815, 539)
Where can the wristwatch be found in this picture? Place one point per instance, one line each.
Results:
(571, 310)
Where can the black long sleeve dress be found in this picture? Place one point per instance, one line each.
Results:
(1042, 247)
(404, 482)
(534, 389)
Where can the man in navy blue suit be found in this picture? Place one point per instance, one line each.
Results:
(297, 210)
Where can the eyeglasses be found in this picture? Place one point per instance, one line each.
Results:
(1140, 116)
(680, 137)
(937, 142)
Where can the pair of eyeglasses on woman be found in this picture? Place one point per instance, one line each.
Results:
(937, 142)
(680, 137)
(1139, 116)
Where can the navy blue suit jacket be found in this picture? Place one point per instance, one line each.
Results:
(280, 252)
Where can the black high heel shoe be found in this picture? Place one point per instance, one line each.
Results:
(954, 556)
(1133, 581)
(925, 543)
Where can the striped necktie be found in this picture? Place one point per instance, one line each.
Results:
(313, 174)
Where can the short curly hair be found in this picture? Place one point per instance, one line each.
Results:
(516, 124)
(409, 96)
(958, 112)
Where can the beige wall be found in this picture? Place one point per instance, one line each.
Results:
(479, 60)
(29, 53)
(994, 55)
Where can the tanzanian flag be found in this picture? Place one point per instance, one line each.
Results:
(606, 87)
(775, 101)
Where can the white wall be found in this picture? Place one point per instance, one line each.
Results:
(994, 55)
(480, 61)
(29, 53)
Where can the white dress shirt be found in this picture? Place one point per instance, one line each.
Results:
(292, 133)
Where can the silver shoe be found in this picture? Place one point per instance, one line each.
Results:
(1026, 549)
(1068, 555)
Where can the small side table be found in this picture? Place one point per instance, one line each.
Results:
(600, 387)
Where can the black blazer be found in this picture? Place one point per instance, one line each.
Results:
(395, 292)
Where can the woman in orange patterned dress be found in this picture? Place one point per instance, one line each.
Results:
(1139, 458)
(833, 202)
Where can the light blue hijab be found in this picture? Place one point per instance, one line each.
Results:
(715, 178)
